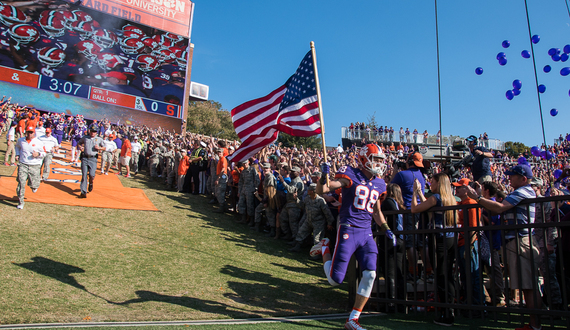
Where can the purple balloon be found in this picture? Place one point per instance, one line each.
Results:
(535, 39)
(556, 57)
(525, 54)
(522, 161)
(553, 112)
(501, 55)
(568, 137)
(565, 71)
(549, 155)
(535, 152)
(503, 61)
(509, 95)
(479, 71)
(543, 154)
(552, 51)
(557, 173)
(547, 68)
(541, 88)
(566, 49)
(517, 84)
(564, 57)
(506, 44)
(516, 92)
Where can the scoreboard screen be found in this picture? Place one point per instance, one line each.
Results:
(73, 49)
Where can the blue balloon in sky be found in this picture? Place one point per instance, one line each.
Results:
(556, 57)
(568, 137)
(553, 112)
(509, 95)
(503, 61)
(547, 68)
(501, 55)
(525, 54)
(567, 49)
(564, 57)
(479, 70)
(517, 84)
(516, 92)
(552, 51)
(541, 88)
(535, 39)
(535, 151)
(565, 71)
(506, 44)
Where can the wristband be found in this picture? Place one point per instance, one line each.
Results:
(479, 198)
(384, 227)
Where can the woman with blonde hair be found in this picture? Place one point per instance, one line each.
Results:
(444, 242)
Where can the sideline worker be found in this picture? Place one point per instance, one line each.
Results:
(89, 146)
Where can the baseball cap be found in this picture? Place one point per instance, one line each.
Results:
(203, 144)
(30, 129)
(48, 130)
(93, 127)
(417, 158)
(313, 186)
(317, 174)
(266, 165)
(295, 169)
(523, 170)
(462, 182)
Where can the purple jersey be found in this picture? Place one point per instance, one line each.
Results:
(359, 197)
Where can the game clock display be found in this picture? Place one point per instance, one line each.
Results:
(88, 92)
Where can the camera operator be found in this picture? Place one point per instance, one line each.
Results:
(481, 167)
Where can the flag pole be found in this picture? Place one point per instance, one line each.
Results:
(314, 53)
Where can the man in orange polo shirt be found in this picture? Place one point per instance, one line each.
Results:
(221, 179)
(125, 156)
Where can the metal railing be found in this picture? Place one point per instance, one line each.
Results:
(393, 292)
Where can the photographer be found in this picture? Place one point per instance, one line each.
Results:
(481, 167)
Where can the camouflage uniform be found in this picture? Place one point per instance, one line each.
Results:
(270, 213)
(153, 161)
(317, 216)
(248, 182)
(177, 159)
(169, 166)
(162, 160)
(291, 213)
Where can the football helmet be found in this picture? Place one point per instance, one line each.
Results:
(85, 29)
(105, 38)
(82, 16)
(174, 38)
(53, 25)
(130, 34)
(88, 48)
(147, 63)
(366, 159)
(108, 61)
(24, 33)
(69, 18)
(132, 28)
(51, 56)
(164, 55)
(182, 59)
(10, 15)
(132, 45)
(162, 41)
(149, 42)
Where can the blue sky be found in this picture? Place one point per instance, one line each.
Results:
(379, 57)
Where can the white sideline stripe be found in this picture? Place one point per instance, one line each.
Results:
(167, 323)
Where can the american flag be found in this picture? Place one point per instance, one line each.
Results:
(292, 108)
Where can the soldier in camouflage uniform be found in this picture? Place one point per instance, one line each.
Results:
(221, 179)
(162, 160)
(291, 213)
(269, 192)
(153, 160)
(169, 165)
(248, 182)
(211, 184)
(177, 159)
(317, 216)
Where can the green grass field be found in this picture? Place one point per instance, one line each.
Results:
(74, 264)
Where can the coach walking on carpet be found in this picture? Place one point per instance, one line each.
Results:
(89, 145)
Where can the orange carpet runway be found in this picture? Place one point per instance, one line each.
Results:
(62, 187)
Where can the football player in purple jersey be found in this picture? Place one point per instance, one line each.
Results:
(362, 193)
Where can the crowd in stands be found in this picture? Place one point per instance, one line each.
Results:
(274, 192)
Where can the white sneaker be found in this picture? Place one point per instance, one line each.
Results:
(317, 249)
(20, 206)
(34, 190)
(106, 173)
(353, 325)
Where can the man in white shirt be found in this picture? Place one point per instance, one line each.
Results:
(29, 153)
(107, 157)
(50, 145)
(40, 129)
(11, 141)
(136, 149)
